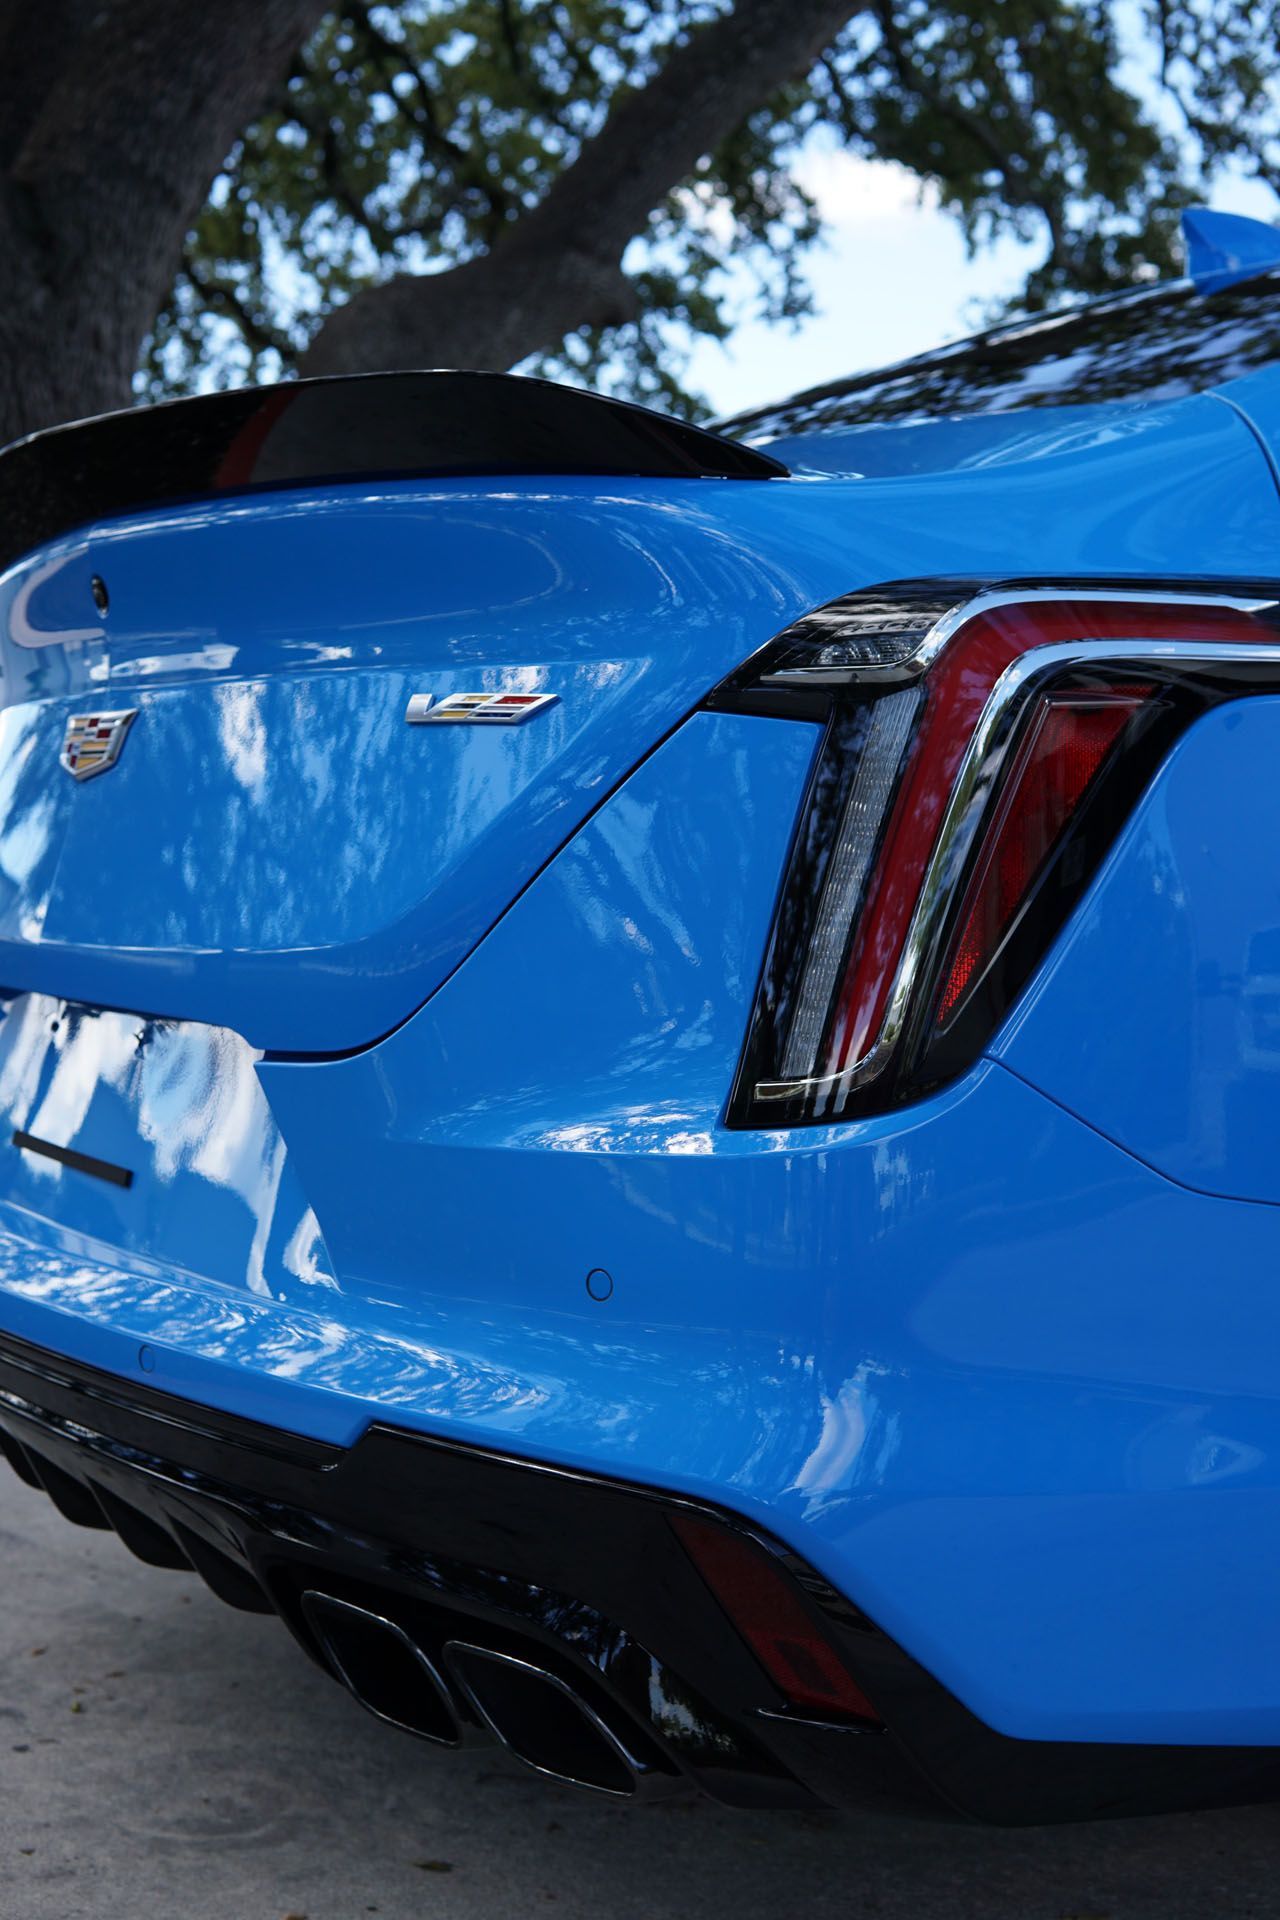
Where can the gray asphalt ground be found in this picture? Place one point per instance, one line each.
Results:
(163, 1758)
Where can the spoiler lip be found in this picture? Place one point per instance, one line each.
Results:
(378, 426)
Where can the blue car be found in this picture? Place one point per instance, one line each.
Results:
(640, 1069)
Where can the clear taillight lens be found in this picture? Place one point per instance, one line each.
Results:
(872, 770)
(981, 749)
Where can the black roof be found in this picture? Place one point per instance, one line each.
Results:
(1160, 344)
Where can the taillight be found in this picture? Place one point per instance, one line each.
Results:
(982, 748)
(1066, 741)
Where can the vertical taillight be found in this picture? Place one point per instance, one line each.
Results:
(1066, 740)
(981, 748)
(873, 769)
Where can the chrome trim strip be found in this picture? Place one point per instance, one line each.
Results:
(978, 770)
(945, 629)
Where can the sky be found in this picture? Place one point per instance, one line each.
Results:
(891, 279)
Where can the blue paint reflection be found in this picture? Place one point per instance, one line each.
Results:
(181, 1108)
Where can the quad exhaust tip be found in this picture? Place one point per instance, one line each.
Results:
(385, 1670)
(540, 1719)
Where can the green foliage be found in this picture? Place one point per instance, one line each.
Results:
(410, 135)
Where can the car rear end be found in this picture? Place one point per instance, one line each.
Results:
(598, 1052)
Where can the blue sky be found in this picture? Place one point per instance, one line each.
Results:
(892, 279)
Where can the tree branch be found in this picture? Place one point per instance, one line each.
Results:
(216, 295)
(1218, 136)
(1014, 168)
(511, 36)
(464, 164)
(559, 265)
(395, 57)
(337, 183)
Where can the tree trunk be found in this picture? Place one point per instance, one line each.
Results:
(114, 120)
(106, 169)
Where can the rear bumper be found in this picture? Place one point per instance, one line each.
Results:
(1002, 1384)
(584, 1580)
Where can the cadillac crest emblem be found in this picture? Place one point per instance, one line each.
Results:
(92, 741)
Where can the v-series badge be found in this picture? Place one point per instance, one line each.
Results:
(476, 709)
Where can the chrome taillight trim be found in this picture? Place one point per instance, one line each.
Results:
(981, 766)
(944, 630)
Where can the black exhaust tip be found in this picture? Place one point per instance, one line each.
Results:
(541, 1720)
(378, 1663)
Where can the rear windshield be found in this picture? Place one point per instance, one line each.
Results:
(1160, 345)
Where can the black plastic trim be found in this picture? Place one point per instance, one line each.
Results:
(583, 1576)
(72, 1157)
(390, 426)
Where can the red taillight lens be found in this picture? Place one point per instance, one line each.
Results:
(1067, 740)
(951, 824)
(959, 690)
(774, 1621)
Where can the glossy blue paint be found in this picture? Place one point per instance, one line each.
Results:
(661, 905)
(1157, 1016)
(277, 853)
(178, 1107)
(1256, 397)
(1225, 247)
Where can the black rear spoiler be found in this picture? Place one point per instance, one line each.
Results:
(387, 426)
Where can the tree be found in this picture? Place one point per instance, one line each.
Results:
(247, 187)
